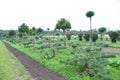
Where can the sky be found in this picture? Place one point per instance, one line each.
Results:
(46, 13)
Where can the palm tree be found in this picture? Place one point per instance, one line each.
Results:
(89, 14)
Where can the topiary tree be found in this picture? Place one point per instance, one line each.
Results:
(39, 30)
(80, 35)
(113, 36)
(95, 37)
(68, 35)
(89, 14)
(64, 25)
(102, 30)
(87, 36)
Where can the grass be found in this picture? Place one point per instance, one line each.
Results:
(117, 44)
(10, 67)
(66, 70)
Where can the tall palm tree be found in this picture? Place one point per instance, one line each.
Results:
(89, 14)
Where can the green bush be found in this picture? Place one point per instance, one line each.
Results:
(80, 36)
(94, 37)
(87, 36)
(91, 63)
(113, 36)
(68, 35)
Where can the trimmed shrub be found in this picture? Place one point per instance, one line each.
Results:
(80, 36)
(113, 36)
(87, 36)
(68, 35)
(94, 37)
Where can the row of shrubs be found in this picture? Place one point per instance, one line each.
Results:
(114, 36)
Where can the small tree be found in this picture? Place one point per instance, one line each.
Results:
(80, 35)
(95, 37)
(68, 36)
(113, 36)
(87, 36)
(39, 30)
(102, 30)
(24, 29)
(64, 25)
(12, 33)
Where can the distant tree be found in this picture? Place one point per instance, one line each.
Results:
(102, 30)
(48, 29)
(95, 37)
(24, 29)
(68, 35)
(33, 28)
(89, 14)
(12, 33)
(113, 36)
(80, 35)
(32, 32)
(87, 36)
(118, 31)
(39, 30)
(64, 25)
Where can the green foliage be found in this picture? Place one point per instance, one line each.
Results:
(105, 45)
(12, 33)
(70, 72)
(23, 28)
(94, 37)
(90, 14)
(115, 64)
(39, 30)
(91, 63)
(20, 35)
(37, 37)
(68, 35)
(63, 24)
(113, 36)
(50, 53)
(80, 36)
(102, 30)
(87, 36)
(74, 49)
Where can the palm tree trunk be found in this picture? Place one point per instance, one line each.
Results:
(90, 31)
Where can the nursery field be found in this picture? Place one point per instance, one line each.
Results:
(64, 61)
(10, 67)
(62, 53)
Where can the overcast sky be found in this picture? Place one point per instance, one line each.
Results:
(46, 13)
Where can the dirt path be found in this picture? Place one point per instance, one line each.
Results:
(37, 70)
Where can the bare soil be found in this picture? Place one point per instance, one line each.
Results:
(36, 69)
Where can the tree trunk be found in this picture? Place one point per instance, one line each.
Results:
(90, 31)
(64, 38)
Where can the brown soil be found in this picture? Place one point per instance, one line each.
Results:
(111, 50)
(36, 69)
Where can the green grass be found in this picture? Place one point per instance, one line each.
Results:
(66, 70)
(117, 44)
(10, 67)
